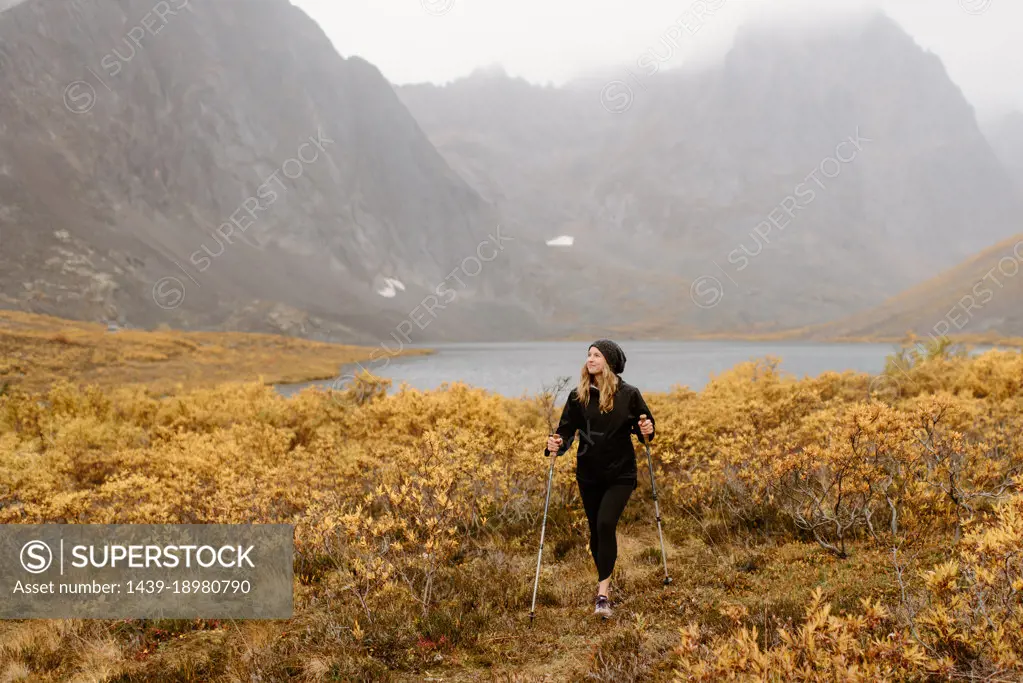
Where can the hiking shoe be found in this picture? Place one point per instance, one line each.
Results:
(603, 607)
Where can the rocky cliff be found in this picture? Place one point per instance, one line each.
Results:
(1005, 133)
(808, 175)
(218, 164)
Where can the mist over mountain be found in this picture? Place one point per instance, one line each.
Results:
(219, 164)
(980, 296)
(693, 173)
(1006, 137)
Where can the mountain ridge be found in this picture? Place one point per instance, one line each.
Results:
(976, 297)
(169, 132)
(696, 160)
(230, 169)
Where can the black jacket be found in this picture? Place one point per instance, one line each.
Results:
(606, 454)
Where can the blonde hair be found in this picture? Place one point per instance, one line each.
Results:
(607, 383)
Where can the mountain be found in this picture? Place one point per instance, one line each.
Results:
(725, 178)
(219, 164)
(1006, 137)
(978, 297)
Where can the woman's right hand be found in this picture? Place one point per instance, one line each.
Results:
(553, 443)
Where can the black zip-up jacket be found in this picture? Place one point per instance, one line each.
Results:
(606, 454)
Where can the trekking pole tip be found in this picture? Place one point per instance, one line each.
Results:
(667, 580)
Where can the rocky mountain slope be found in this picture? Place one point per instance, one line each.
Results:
(978, 297)
(218, 164)
(1006, 137)
(729, 178)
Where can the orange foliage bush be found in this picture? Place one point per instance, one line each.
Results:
(390, 494)
(974, 621)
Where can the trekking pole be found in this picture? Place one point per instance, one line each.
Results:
(657, 508)
(543, 529)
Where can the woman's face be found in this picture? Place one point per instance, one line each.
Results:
(595, 361)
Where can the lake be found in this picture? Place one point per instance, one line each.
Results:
(516, 368)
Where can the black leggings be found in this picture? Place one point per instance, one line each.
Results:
(604, 505)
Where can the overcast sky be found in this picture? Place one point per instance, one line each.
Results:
(555, 40)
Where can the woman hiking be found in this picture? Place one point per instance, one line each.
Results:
(606, 411)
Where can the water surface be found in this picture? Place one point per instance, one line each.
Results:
(517, 368)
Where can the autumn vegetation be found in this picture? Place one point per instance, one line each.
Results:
(845, 527)
(38, 350)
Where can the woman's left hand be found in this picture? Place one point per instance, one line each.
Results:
(646, 427)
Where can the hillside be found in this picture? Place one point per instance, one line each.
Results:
(225, 167)
(704, 175)
(1006, 137)
(38, 352)
(977, 297)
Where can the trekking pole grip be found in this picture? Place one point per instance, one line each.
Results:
(642, 436)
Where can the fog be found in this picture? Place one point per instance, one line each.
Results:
(552, 41)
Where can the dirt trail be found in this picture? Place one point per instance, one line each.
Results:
(641, 600)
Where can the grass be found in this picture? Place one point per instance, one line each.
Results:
(244, 453)
(480, 629)
(37, 350)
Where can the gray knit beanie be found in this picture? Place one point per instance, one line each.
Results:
(612, 353)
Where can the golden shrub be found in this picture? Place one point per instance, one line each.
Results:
(974, 618)
(394, 495)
